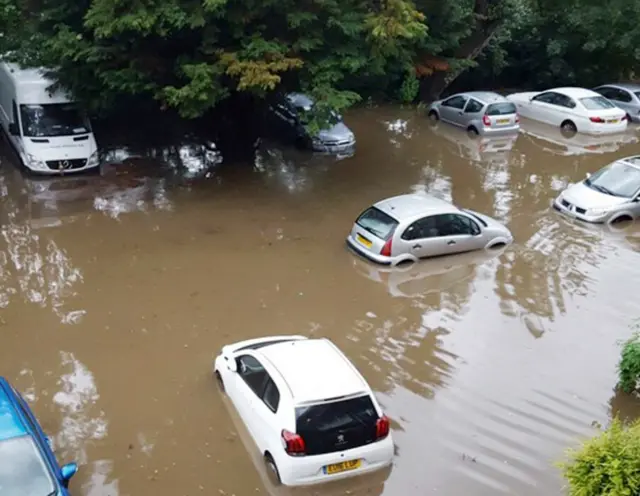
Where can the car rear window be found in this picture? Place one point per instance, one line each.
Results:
(502, 108)
(377, 223)
(338, 425)
(596, 103)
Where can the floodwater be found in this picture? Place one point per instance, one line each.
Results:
(117, 290)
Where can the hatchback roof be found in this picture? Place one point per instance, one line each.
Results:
(314, 369)
(486, 96)
(406, 206)
(11, 424)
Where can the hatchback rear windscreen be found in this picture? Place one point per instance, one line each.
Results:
(336, 426)
(502, 108)
(377, 223)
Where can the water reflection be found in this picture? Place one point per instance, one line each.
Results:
(486, 149)
(430, 276)
(550, 139)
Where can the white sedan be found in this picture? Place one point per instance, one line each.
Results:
(571, 109)
(309, 411)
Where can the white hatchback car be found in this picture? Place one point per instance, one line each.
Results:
(310, 412)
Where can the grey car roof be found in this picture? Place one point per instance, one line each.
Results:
(300, 100)
(633, 160)
(626, 86)
(485, 96)
(408, 206)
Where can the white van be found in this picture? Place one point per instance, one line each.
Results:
(48, 131)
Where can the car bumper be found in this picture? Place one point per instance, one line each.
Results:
(67, 172)
(593, 219)
(379, 259)
(345, 148)
(309, 470)
(497, 131)
(603, 129)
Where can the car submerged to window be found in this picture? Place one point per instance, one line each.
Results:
(289, 121)
(311, 414)
(625, 96)
(610, 195)
(480, 112)
(28, 467)
(409, 227)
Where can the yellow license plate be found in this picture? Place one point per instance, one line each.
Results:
(503, 121)
(342, 467)
(364, 241)
(613, 121)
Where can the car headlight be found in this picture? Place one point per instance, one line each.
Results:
(93, 160)
(35, 162)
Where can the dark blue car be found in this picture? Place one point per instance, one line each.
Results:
(28, 467)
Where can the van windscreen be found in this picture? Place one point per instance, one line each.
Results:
(54, 119)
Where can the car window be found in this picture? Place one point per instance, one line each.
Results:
(23, 470)
(473, 107)
(547, 97)
(455, 102)
(616, 179)
(456, 225)
(606, 92)
(596, 103)
(271, 396)
(253, 373)
(377, 223)
(621, 95)
(564, 101)
(426, 227)
(502, 108)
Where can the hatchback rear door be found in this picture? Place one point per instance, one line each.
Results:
(502, 114)
(372, 229)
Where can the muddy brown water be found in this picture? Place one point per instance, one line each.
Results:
(116, 292)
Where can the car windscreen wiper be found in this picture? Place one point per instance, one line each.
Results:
(603, 189)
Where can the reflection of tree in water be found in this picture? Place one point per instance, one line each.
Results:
(625, 406)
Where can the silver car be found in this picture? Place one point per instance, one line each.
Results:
(610, 195)
(407, 228)
(289, 112)
(480, 112)
(625, 96)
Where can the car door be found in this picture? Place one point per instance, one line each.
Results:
(566, 108)
(451, 110)
(458, 233)
(420, 238)
(247, 392)
(472, 111)
(543, 107)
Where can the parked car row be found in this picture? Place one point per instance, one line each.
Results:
(605, 110)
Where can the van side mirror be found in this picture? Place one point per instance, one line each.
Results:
(68, 471)
(13, 129)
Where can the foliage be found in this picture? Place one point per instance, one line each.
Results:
(629, 366)
(608, 464)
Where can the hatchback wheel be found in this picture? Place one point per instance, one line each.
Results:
(433, 115)
(272, 470)
(219, 381)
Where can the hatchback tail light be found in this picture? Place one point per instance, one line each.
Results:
(293, 443)
(517, 118)
(382, 427)
(386, 249)
(486, 121)
(599, 120)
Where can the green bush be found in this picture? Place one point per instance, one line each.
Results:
(629, 367)
(608, 464)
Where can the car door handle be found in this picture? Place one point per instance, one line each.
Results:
(451, 242)
(415, 247)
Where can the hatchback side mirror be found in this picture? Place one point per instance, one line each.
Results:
(68, 471)
(588, 174)
(232, 365)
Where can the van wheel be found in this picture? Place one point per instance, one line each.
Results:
(219, 381)
(272, 469)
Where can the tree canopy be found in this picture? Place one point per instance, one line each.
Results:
(191, 55)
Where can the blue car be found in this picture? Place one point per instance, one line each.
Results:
(28, 467)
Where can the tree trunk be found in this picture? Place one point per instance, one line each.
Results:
(432, 87)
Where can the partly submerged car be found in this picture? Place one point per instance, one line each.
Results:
(409, 227)
(28, 467)
(610, 195)
(571, 109)
(311, 414)
(625, 96)
(290, 120)
(480, 112)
